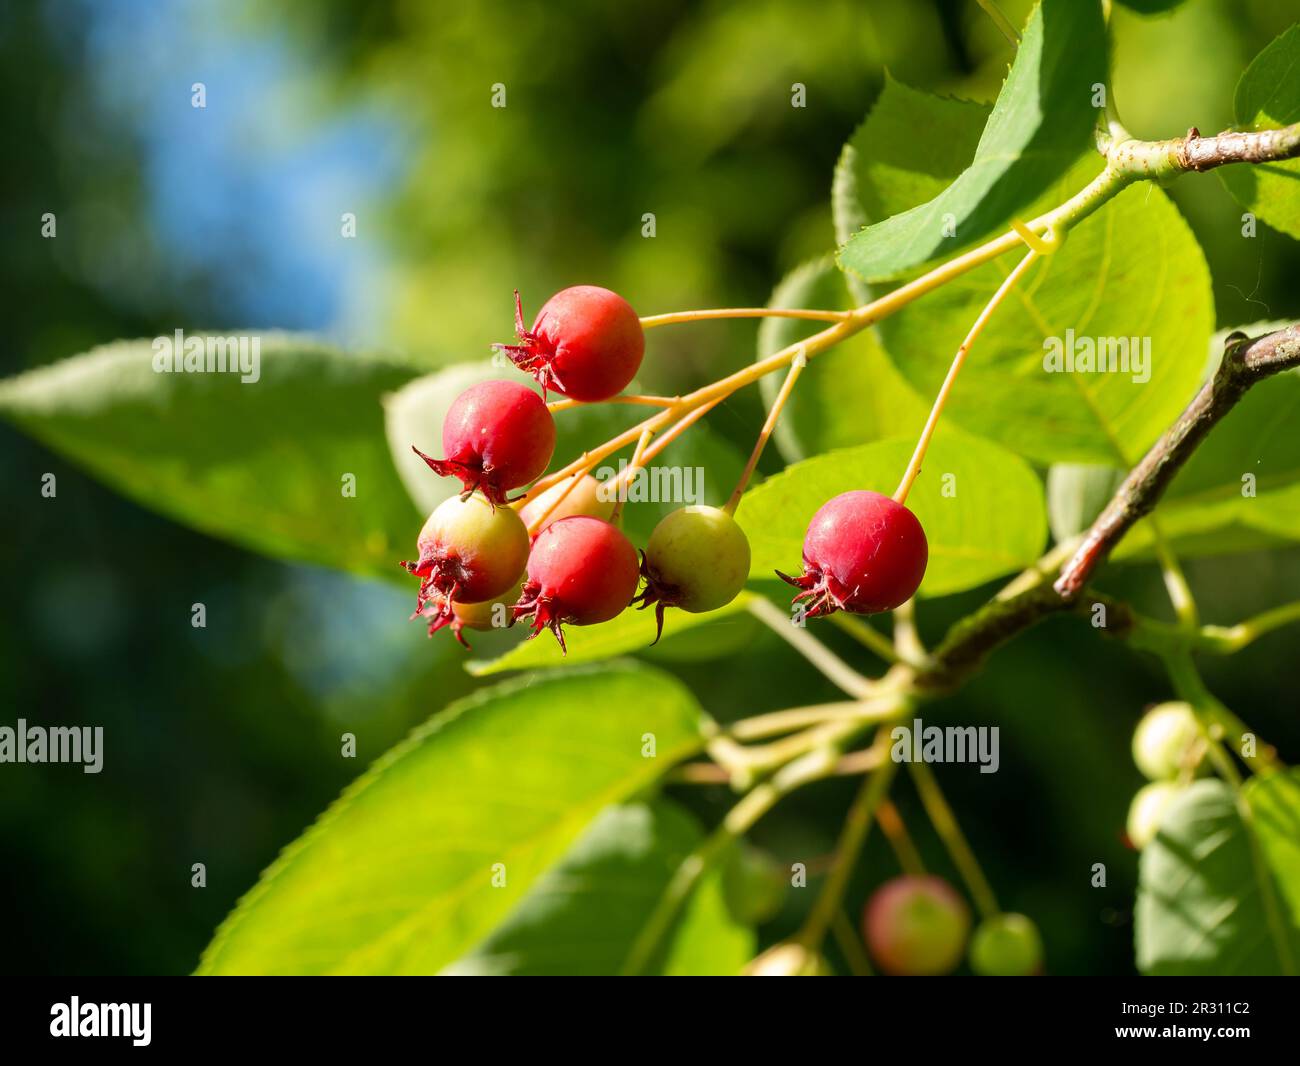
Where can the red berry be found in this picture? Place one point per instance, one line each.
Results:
(586, 343)
(916, 926)
(470, 551)
(498, 436)
(581, 571)
(863, 553)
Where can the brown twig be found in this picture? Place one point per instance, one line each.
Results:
(1244, 363)
(1029, 598)
(1160, 159)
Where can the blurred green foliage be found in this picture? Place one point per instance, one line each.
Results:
(222, 744)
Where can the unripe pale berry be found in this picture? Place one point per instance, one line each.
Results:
(1165, 740)
(863, 553)
(697, 559)
(583, 499)
(1147, 811)
(498, 435)
(788, 960)
(495, 613)
(1006, 946)
(586, 343)
(916, 926)
(471, 551)
(581, 571)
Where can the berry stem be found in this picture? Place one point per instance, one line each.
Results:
(1180, 592)
(787, 386)
(540, 520)
(641, 401)
(945, 824)
(832, 667)
(862, 631)
(629, 475)
(880, 707)
(714, 314)
(945, 390)
(756, 803)
(850, 943)
(907, 640)
(1228, 639)
(891, 824)
(857, 824)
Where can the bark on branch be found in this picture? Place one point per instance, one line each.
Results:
(966, 646)
(1245, 361)
(1167, 159)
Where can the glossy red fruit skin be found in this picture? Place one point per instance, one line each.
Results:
(586, 343)
(497, 436)
(581, 571)
(864, 553)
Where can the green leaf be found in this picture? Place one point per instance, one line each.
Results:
(1151, 7)
(1076, 494)
(1199, 906)
(261, 464)
(851, 394)
(700, 461)
(582, 917)
(981, 506)
(1268, 96)
(398, 875)
(1131, 277)
(1041, 122)
(1274, 800)
(885, 168)
(631, 632)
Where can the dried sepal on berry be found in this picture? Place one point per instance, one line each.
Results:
(586, 343)
(864, 552)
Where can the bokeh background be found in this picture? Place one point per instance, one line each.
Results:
(223, 743)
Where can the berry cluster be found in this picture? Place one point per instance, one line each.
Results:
(918, 926)
(556, 555)
(1169, 748)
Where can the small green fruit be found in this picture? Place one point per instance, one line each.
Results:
(697, 559)
(1147, 811)
(753, 885)
(1166, 740)
(1006, 946)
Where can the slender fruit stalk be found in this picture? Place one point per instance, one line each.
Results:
(959, 360)
(787, 386)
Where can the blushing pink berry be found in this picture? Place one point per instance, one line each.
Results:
(863, 552)
(581, 572)
(498, 436)
(470, 551)
(697, 559)
(586, 343)
(916, 926)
